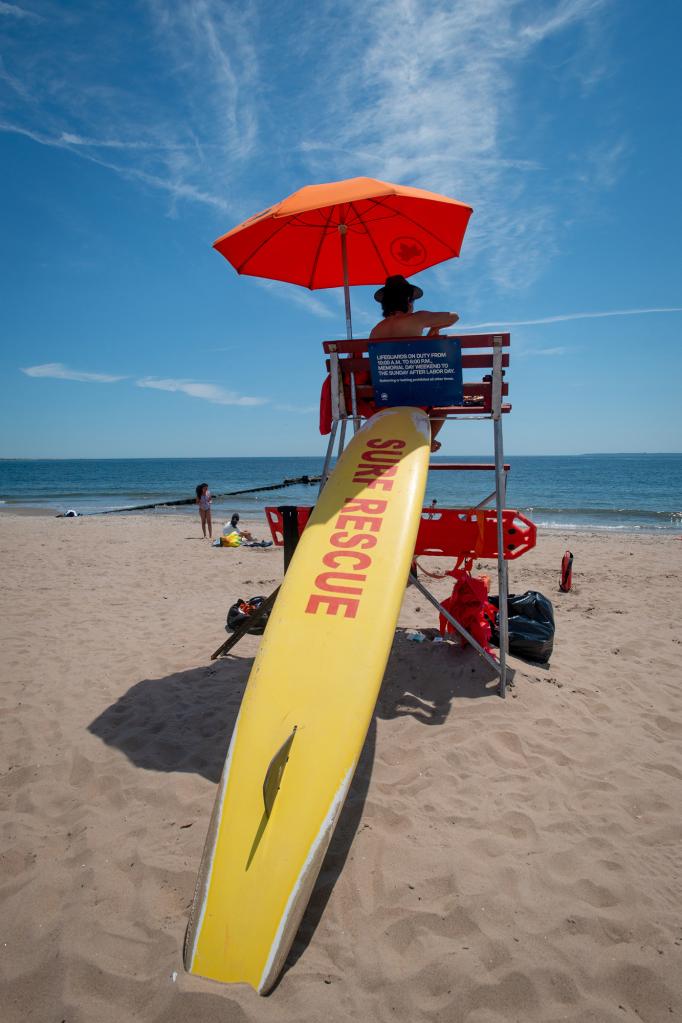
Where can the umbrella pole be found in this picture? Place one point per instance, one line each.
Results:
(346, 290)
(343, 230)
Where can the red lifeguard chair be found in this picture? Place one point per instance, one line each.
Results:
(478, 531)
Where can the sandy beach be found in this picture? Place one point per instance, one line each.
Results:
(513, 860)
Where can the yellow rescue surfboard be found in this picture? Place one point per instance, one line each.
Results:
(308, 705)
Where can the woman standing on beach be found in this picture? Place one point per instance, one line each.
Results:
(204, 501)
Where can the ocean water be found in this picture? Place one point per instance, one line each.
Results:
(628, 492)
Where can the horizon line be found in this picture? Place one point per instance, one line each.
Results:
(212, 458)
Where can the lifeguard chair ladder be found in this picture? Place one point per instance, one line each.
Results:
(351, 398)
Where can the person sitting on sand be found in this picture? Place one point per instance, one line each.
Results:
(234, 528)
(397, 299)
(204, 501)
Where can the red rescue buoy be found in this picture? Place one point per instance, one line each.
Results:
(566, 572)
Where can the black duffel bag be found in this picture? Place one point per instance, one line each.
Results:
(531, 626)
(242, 611)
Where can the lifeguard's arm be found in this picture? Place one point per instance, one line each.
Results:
(434, 320)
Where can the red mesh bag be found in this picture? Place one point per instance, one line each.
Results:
(469, 604)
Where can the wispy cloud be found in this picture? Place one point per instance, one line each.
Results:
(87, 150)
(68, 139)
(17, 12)
(601, 165)
(310, 146)
(564, 14)
(300, 297)
(564, 317)
(183, 111)
(201, 104)
(218, 37)
(58, 371)
(207, 392)
(450, 119)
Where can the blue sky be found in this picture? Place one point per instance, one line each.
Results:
(133, 135)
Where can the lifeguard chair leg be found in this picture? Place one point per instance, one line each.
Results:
(342, 438)
(339, 415)
(500, 500)
(328, 457)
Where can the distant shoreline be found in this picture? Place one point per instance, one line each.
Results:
(257, 516)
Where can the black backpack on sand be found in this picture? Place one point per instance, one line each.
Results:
(242, 611)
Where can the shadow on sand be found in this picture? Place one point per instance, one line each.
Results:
(179, 723)
(438, 674)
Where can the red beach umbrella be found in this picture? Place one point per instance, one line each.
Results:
(357, 231)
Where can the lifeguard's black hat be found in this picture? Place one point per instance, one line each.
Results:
(399, 287)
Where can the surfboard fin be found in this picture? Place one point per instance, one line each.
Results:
(271, 784)
(273, 775)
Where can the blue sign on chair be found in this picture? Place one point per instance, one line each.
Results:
(423, 373)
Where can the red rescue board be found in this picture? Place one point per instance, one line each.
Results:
(450, 532)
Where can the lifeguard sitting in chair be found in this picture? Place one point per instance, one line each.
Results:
(397, 298)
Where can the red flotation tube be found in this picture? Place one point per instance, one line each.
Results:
(566, 572)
